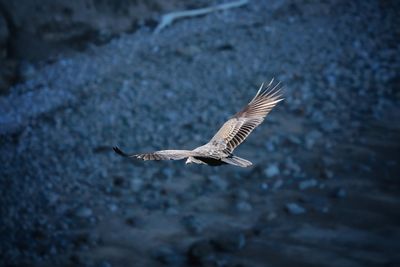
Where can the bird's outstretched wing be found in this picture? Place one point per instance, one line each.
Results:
(236, 129)
(159, 155)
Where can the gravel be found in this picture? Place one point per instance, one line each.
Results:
(338, 62)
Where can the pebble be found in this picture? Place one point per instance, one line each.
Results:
(192, 224)
(241, 194)
(303, 185)
(340, 193)
(317, 203)
(112, 207)
(264, 186)
(244, 206)
(272, 170)
(105, 264)
(328, 174)
(136, 185)
(278, 184)
(295, 209)
(219, 182)
(84, 212)
(230, 242)
(168, 256)
(201, 251)
(312, 138)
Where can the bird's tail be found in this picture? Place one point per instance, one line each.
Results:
(233, 160)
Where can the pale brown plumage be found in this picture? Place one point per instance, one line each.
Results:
(219, 149)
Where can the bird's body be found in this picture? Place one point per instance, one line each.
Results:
(219, 150)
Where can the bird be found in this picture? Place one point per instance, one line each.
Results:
(219, 150)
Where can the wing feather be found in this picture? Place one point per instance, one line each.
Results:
(238, 128)
(159, 155)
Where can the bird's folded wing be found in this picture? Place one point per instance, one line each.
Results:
(160, 155)
(236, 129)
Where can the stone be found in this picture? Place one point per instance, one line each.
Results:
(241, 194)
(312, 138)
(84, 212)
(136, 185)
(295, 209)
(219, 182)
(340, 193)
(278, 184)
(230, 242)
(168, 256)
(303, 185)
(192, 224)
(264, 186)
(105, 264)
(201, 251)
(272, 170)
(112, 207)
(4, 34)
(316, 203)
(244, 206)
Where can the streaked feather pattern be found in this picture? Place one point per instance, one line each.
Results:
(236, 129)
(159, 155)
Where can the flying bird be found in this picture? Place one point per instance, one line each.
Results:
(219, 150)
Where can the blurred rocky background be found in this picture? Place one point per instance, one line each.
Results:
(78, 77)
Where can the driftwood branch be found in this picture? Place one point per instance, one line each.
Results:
(168, 18)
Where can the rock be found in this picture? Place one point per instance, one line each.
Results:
(330, 126)
(192, 224)
(8, 74)
(84, 212)
(294, 139)
(340, 193)
(219, 182)
(278, 184)
(112, 207)
(4, 34)
(317, 203)
(292, 167)
(230, 242)
(241, 194)
(168, 173)
(308, 184)
(105, 264)
(201, 252)
(272, 170)
(312, 138)
(132, 221)
(244, 206)
(328, 174)
(171, 211)
(119, 181)
(270, 146)
(86, 239)
(271, 216)
(136, 185)
(26, 71)
(168, 256)
(295, 209)
(264, 186)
